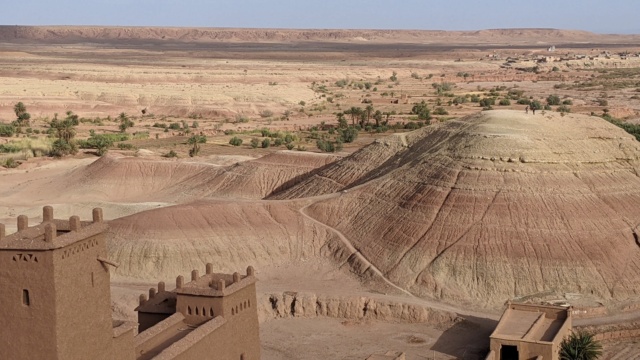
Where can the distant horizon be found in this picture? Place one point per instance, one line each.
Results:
(610, 17)
(315, 29)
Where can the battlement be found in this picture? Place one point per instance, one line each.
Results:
(210, 284)
(215, 284)
(51, 233)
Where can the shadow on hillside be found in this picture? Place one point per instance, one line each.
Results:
(467, 339)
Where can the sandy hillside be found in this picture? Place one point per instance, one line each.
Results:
(496, 206)
(126, 185)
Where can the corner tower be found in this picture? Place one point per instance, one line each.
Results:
(54, 290)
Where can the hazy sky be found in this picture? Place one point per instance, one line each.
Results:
(604, 16)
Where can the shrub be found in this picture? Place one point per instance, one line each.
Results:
(603, 102)
(341, 83)
(535, 104)
(515, 94)
(289, 146)
(487, 102)
(348, 135)
(241, 119)
(524, 101)
(266, 143)
(7, 130)
(563, 109)
(174, 126)
(266, 113)
(124, 146)
(504, 102)
(11, 163)
(394, 76)
(99, 142)
(440, 111)
(60, 148)
(567, 102)
(277, 142)
(171, 154)
(459, 100)
(329, 146)
(442, 87)
(125, 122)
(22, 116)
(422, 110)
(255, 143)
(235, 141)
(11, 148)
(553, 100)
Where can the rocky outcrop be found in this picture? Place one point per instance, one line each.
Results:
(310, 305)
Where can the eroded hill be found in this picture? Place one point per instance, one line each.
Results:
(495, 206)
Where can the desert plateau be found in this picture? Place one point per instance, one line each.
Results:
(393, 189)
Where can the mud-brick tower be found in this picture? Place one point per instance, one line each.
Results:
(220, 309)
(54, 292)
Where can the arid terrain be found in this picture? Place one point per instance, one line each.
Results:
(409, 236)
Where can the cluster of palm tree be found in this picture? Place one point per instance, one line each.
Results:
(364, 116)
(65, 131)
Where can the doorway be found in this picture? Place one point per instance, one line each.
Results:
(508, 352)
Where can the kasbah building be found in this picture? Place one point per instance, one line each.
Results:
(56, 302)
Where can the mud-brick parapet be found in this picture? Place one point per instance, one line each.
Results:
(51, 233)
(216, 284)
(160, 300)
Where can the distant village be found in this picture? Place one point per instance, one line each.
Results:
(529, 60)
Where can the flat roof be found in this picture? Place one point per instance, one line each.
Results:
(32, 238)
(527, 322)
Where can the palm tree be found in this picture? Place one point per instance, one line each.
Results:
(369, 111)
(580, 345)
(195, 141)
(355, 113)
(125, 122)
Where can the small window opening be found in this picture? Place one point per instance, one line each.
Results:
(211, 312)
(233, 311)
(249, 302)
(204, 311)
(25, 297)
(189, 310)
(197, 310)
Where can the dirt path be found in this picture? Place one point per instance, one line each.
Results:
(413, 299)
(355, 252)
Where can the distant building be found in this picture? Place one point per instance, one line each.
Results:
(56, 302)
(530, 332)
